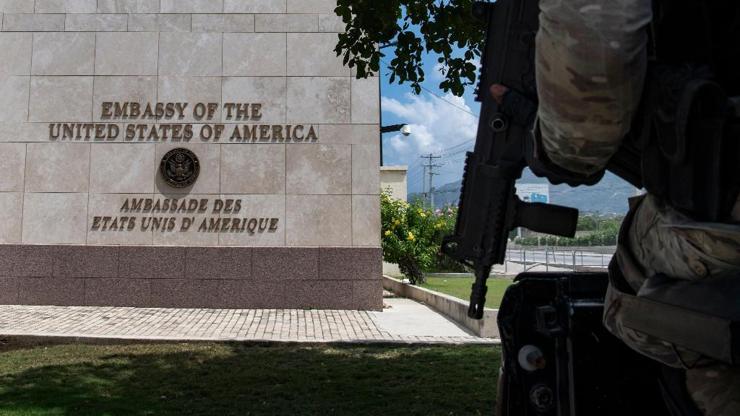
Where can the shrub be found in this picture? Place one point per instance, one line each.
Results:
(447, 217)
(411, 236)
(596, 231)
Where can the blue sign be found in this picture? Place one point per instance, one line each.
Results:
(535, 197)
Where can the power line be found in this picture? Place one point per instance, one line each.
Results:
(451, 148)
(456, 154)
(439, 96)
(448, 102)
(451, 170)
(417, 175)
(416, 165)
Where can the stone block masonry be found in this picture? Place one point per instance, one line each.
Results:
(278, 206)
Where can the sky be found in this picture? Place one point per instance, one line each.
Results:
(440, 122)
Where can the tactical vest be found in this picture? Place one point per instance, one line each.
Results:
(688, 134)
(687, 128)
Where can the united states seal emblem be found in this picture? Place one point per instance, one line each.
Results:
(180, 168)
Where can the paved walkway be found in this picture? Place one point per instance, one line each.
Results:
(403, 321)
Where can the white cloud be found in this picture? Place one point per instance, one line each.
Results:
(435, 124)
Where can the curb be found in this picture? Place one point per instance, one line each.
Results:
(452, 307)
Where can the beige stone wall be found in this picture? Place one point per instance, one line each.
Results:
(394, 178)
(61, 59)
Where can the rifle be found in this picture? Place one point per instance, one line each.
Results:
(681, 148)
(489, 208)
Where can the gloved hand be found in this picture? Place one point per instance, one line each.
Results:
(521, 110)
(542, 166)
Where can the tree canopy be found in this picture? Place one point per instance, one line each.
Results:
(412, 28)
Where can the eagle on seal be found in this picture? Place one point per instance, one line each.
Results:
(180, 166)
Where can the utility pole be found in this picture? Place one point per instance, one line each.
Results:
(429, 171)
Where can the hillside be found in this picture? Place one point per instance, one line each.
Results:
(608, 197)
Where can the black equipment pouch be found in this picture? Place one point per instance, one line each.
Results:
(684, 142)
(687, 138)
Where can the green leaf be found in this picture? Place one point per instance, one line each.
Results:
(440, 25)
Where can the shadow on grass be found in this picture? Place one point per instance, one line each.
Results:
(233, 379)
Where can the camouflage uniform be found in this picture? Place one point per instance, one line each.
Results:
(591, 61)
(590, 55)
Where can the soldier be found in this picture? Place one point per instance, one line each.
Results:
(591, 66)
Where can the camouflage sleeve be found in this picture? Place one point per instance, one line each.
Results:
(590, 65)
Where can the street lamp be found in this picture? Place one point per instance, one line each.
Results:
(405, 129)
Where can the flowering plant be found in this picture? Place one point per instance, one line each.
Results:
(411, 236)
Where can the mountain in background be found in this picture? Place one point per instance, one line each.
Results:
(607, 197)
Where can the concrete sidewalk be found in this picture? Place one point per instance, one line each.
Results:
(403, 321)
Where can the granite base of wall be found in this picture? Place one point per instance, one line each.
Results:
(192, 277)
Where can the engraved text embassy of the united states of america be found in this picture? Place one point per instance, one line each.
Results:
(162, 122)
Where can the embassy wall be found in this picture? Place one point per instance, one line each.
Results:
(185, 153)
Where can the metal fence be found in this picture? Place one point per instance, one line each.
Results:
(558, 258)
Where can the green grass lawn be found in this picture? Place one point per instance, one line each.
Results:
(459, 287)
(236, 379)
